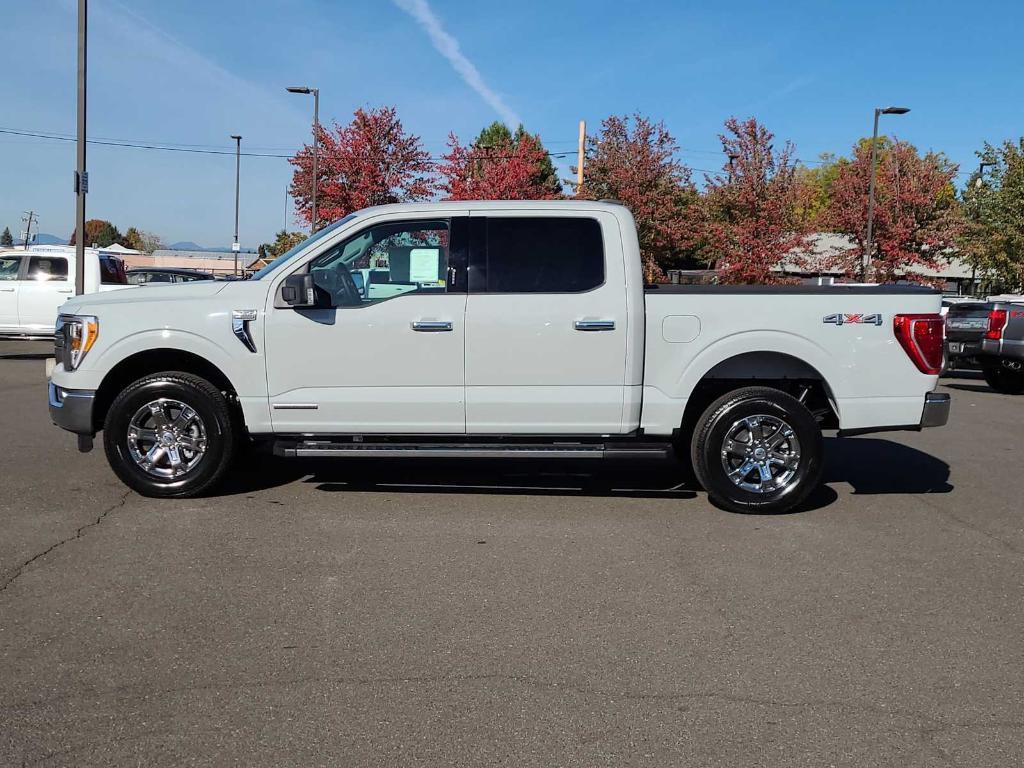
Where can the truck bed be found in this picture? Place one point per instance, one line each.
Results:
(841, 335)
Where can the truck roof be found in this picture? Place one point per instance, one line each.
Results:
(491, 205)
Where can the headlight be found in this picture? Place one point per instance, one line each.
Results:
(75, 335)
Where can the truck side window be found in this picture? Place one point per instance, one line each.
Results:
(9, 266)
(385, 261)
(47, 268)
(543, 255)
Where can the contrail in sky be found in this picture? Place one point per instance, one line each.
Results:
(448, 47)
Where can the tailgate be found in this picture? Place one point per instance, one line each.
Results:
(967, 322)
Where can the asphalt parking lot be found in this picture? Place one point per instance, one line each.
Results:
(347, 614)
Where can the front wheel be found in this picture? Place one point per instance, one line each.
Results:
(169, 434)
(1003, 379)
(757, 450)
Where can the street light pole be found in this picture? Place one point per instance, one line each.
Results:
(81, 176)
(866, 265)
(316, 146)
(236, 245)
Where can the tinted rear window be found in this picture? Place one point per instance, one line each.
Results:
(112, 271)
(543, 255)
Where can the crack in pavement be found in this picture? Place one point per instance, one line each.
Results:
(77, 535)
(928, 724)
(968, 526)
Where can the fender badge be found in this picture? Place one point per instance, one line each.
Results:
(844, 319)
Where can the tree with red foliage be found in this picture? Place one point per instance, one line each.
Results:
(916, 214)
(638, 166)
(499, 165)
(98, 232)
(754, 206)
(370, 161)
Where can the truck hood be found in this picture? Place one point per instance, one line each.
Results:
(144, 294)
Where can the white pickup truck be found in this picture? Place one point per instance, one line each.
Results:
(35, 282)
(492, 329)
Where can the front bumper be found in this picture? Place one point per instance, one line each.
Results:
(936, 410)
(71, 409)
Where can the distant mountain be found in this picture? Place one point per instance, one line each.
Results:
(188, 245)
(46, 239)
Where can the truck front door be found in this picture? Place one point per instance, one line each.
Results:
(46, 286)
(384, 356)
(10, 268)
(545, 324)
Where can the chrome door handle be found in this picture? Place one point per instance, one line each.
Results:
(594, 325)
(6, 290)
(64, 290)
(432, 325)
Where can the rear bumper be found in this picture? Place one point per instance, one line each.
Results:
(936, 410)
(979, 348)
(935, 413)
(71, 409)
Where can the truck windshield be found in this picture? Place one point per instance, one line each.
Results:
(308, 241)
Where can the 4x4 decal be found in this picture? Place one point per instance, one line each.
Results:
(844, 319)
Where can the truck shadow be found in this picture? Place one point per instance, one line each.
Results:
(467, 476)
(877, 466)
(870, 466)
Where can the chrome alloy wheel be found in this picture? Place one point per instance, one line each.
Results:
(761, 454)
(166, 438)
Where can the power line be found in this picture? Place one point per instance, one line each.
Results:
(197, 149)
(210, 149)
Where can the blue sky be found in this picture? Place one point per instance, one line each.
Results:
(192, 73)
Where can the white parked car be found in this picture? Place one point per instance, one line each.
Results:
(34, 284)
(497, 329)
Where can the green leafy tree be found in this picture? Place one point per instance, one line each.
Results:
(816, 186)
(497, 135)
(6, 239)
(284, 241)
(993, 206)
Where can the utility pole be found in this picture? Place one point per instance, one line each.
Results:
(81, 175)
(236, 245)
(27, 218)
(733, 157)
(285, 227)
(581, 146)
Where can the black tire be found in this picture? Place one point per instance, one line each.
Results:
(213, 418)
(804, 448)
(1004, 380)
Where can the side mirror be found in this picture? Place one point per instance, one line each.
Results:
(298, 291)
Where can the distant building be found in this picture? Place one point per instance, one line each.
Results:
(817, 264)
(216, 262)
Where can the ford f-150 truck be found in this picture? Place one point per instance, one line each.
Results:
(492, 329)
(990, 334)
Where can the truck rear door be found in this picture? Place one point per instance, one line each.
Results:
(546, 323)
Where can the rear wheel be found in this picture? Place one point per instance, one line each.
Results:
(169, 434)
(757, 450)
(1005, 379)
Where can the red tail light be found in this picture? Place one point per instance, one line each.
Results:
(996, 323)
(921, 338)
